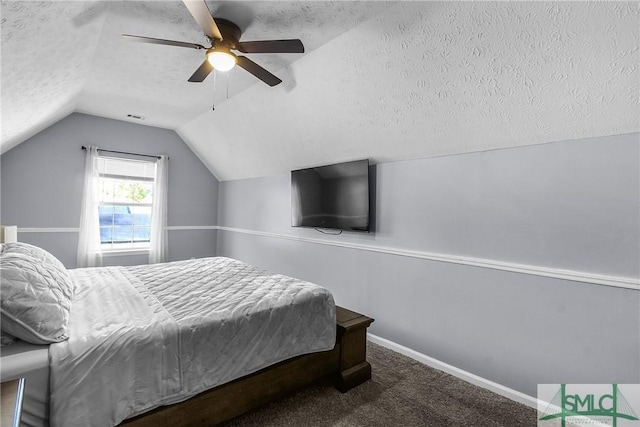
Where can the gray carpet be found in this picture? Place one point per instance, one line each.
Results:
(401, 393)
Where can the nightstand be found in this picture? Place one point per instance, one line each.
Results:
(11, 402)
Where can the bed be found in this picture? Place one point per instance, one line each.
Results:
(192, 342)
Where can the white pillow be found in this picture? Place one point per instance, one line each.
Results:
(39, 254)
(36, 294)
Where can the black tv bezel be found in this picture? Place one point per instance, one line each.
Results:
(319, 227)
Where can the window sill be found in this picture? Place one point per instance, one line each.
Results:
(124, 252)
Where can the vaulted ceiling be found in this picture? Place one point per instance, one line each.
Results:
(381, 80)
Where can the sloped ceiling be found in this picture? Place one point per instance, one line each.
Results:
(65, 56)
(385, 81)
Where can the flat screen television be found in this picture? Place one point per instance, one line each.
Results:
(333, 196)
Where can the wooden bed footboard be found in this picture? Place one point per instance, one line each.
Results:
(345, 365)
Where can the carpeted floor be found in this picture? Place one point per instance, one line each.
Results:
(401, 393)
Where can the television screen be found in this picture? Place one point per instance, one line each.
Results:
(333, 196)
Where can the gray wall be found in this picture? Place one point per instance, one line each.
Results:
(42, 179)
(562, 206)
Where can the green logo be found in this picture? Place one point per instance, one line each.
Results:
(588, 405)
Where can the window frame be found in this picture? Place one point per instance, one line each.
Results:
(128, 248)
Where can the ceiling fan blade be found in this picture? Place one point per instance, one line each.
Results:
(200, 12)
(202, 72)
(152, 40)
(258, 71)
(271, 46)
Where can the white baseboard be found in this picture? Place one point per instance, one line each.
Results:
(457, 372)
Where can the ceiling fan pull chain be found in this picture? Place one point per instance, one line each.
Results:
(213, 108)
(227, 85)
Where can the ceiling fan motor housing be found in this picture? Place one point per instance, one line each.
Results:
(230, 33)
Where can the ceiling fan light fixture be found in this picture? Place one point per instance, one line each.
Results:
(221, 61)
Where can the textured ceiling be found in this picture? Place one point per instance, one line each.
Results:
(65, 56)
(385, 81)
(45, 62)
(427, 79)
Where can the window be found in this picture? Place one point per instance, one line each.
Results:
(125, 202)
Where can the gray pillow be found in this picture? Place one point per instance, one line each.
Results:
(36, 294)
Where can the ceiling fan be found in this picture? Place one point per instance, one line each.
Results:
(224, 36)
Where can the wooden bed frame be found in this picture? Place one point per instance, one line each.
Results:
(345, 365)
